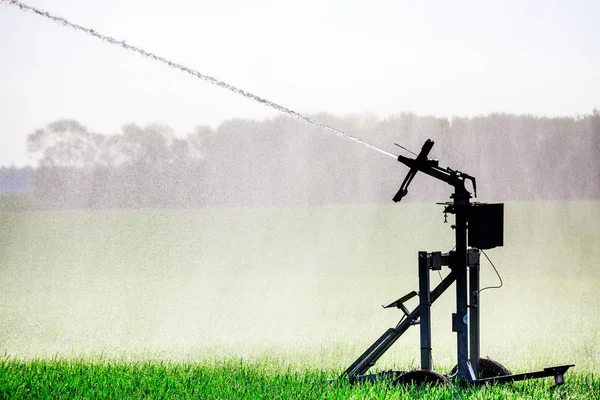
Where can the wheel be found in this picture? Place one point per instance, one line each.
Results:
(421, 377)
(488, 368)
(390, 374)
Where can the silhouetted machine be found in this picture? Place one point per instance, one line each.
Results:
(477, 226)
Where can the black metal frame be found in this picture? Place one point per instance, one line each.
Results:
(464, 270)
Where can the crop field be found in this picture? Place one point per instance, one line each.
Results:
(229, 303)
(238, 380)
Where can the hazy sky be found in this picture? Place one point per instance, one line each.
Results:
(430, 57)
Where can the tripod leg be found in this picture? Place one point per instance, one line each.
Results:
(425, 311)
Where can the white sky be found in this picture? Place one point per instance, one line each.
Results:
(439, 58)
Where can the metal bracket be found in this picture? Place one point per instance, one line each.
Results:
(471, 372)
(400, 302)
(435, 260)
(473, 257)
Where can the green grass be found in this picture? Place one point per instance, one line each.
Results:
(237, 379)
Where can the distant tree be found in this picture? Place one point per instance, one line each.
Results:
(148, 145)
(111, 150)
(179, 152)
(594, 128)
(64, 143)
(197, 141)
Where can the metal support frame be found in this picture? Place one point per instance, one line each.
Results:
(421, 315)
(460, 320)
(557, 372)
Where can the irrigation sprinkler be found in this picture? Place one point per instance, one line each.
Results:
(478, 226)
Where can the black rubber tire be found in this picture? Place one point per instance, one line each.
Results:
(390, 374)
(421, 377)
(488, 368)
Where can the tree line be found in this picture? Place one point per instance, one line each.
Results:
(285, 162)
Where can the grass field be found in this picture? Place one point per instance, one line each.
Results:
(235, 379)
(294, 293)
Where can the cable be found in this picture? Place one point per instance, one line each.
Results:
(499, 277)
(193, 72)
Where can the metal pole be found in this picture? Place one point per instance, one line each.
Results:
(474, 331)
(425, 311)
(460, 320)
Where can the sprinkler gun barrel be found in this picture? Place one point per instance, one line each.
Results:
(415, 165)
(431, 168)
